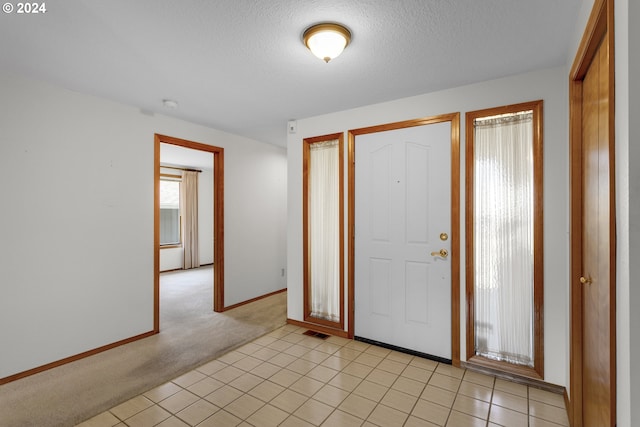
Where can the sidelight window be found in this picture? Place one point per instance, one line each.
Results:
(323, 230)
(504, 237)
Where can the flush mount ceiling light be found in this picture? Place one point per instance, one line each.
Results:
(326, 40)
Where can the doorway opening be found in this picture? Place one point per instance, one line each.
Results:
(184, 249)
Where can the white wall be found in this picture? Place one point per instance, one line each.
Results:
(632, 258)
(76, 260)
(549, 85)
(627, 63)
(632, 48)
(205, 216)
(255, 229)
(173, 258)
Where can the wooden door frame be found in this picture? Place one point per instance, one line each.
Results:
(600, 22)
(218, 221)
(306, 167)
(537, 371)
(454, 118)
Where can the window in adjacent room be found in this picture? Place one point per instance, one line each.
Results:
(504, 238)
(323, 230)
(170, 211)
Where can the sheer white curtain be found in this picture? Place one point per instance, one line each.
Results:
(324, 230)
(189, 209)
(503, 196)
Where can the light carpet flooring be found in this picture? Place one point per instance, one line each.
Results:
(286, 378)
(191, 334)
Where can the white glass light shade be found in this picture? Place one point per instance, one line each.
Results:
(327, 41)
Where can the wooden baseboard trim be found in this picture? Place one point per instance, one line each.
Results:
(74, 358)
(254, 299)
(319, 328)
(509, 376)
(567, 405)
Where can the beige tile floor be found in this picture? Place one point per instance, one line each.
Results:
(286, 378)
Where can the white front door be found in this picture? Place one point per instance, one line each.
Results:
(402, 222)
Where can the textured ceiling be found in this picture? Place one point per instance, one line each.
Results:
(240, 65)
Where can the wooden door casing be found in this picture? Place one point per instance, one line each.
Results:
(454, 118)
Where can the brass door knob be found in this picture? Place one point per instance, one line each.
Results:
(585, 280)
(443, 253)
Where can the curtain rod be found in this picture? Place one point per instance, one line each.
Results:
(181, 169)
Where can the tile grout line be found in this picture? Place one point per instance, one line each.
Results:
(528, 407)
(493, 388)
(418, 399)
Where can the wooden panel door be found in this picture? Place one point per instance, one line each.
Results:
(593, 246)
(403, 204)
(597, 315)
